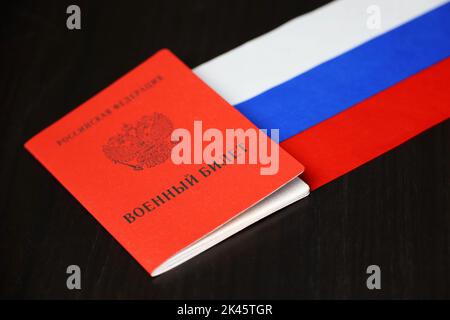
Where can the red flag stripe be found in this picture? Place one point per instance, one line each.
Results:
(346, 141)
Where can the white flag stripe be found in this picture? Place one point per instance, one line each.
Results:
(303, 43)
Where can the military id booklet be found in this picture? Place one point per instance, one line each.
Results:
(166, 165)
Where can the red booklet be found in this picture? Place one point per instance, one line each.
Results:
(113, 153)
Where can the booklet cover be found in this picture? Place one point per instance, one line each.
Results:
(114, 153)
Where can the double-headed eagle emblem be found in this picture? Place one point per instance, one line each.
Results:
(144, 144)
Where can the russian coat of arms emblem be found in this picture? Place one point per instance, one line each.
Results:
(143, 144)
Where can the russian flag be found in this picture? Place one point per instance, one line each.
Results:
(343, 91)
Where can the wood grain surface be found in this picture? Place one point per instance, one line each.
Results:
(393, 211)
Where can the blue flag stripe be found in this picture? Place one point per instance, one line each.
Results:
(352, 77)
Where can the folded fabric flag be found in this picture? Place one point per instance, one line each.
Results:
(285, 80)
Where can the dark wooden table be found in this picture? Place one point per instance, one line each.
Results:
(393, 211)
